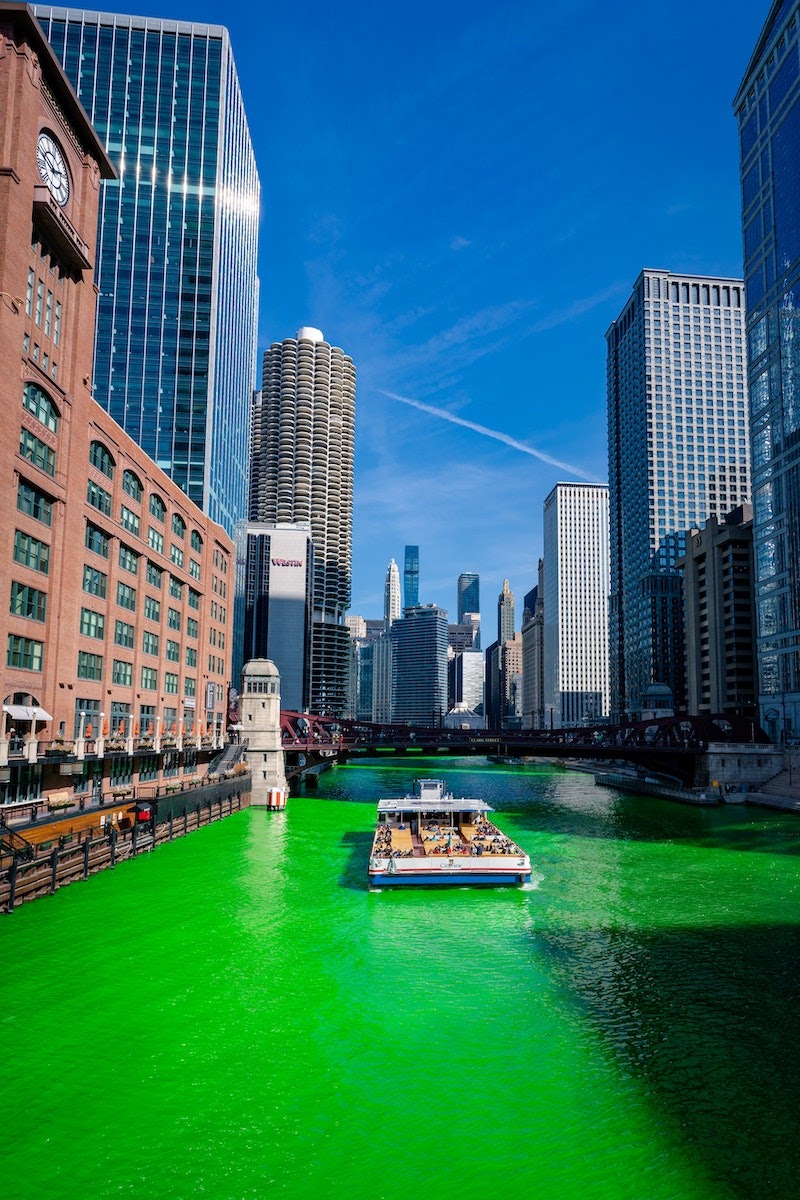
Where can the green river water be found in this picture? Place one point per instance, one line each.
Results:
(236, 1015)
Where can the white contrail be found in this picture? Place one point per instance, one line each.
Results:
(493, 433)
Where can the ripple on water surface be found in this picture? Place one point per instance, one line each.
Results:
(236, 1015)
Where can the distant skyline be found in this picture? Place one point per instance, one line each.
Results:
(461, 198)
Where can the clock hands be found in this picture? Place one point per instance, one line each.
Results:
(52, 168)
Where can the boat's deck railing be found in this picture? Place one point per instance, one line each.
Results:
(445, 838)
(422, 808)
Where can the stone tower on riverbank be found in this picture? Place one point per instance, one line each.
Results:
(260, 717)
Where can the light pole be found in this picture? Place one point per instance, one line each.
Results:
(787, 752)
(772, 715)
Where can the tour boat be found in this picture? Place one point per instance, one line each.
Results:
(434, 839)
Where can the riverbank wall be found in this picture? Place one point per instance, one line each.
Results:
(72, 847)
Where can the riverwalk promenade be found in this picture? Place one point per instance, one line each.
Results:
(782, 792)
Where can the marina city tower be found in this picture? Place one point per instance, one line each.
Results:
(175, 341)
(302, 470)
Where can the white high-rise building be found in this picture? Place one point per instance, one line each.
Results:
(505, 614)
(470, 677)
(357, 627)
(303, 435)
(575, 580)
(473, 621)
(465, 672)
(679, 453)
(277, 605)
(391, 595)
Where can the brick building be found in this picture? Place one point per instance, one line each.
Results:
(117, 620)
(719, 616)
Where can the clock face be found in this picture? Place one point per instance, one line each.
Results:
(52, 167)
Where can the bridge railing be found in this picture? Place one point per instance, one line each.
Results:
(304, 731)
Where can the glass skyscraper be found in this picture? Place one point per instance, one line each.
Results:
(767, 108)
(176, 335)
(469, 594)
(411, 577)
(419, 666)
(678, 453)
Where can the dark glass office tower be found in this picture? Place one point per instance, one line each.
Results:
(175, 347)
(767, 108)
(469, 594)
(419, 666)
(411, 578)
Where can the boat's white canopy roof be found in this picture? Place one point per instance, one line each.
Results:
(442, 804)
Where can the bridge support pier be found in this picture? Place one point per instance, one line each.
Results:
(737, 766)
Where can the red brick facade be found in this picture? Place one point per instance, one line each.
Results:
(116, 595)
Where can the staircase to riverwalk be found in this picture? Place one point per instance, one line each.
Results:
(785, 785)
(227, 760)
(782, 792)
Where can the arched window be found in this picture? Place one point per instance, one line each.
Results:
(100, 457)
(197, 541)
(157, 507)
(178, 525)
(39, 403)
(132, 484)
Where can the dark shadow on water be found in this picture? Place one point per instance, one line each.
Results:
(354, 876)
(706, 1022)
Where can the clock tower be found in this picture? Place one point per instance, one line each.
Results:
(52, 164)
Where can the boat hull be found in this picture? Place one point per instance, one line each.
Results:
(463, 879)
(409, 873)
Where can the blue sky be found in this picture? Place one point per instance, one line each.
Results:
(461, 197)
